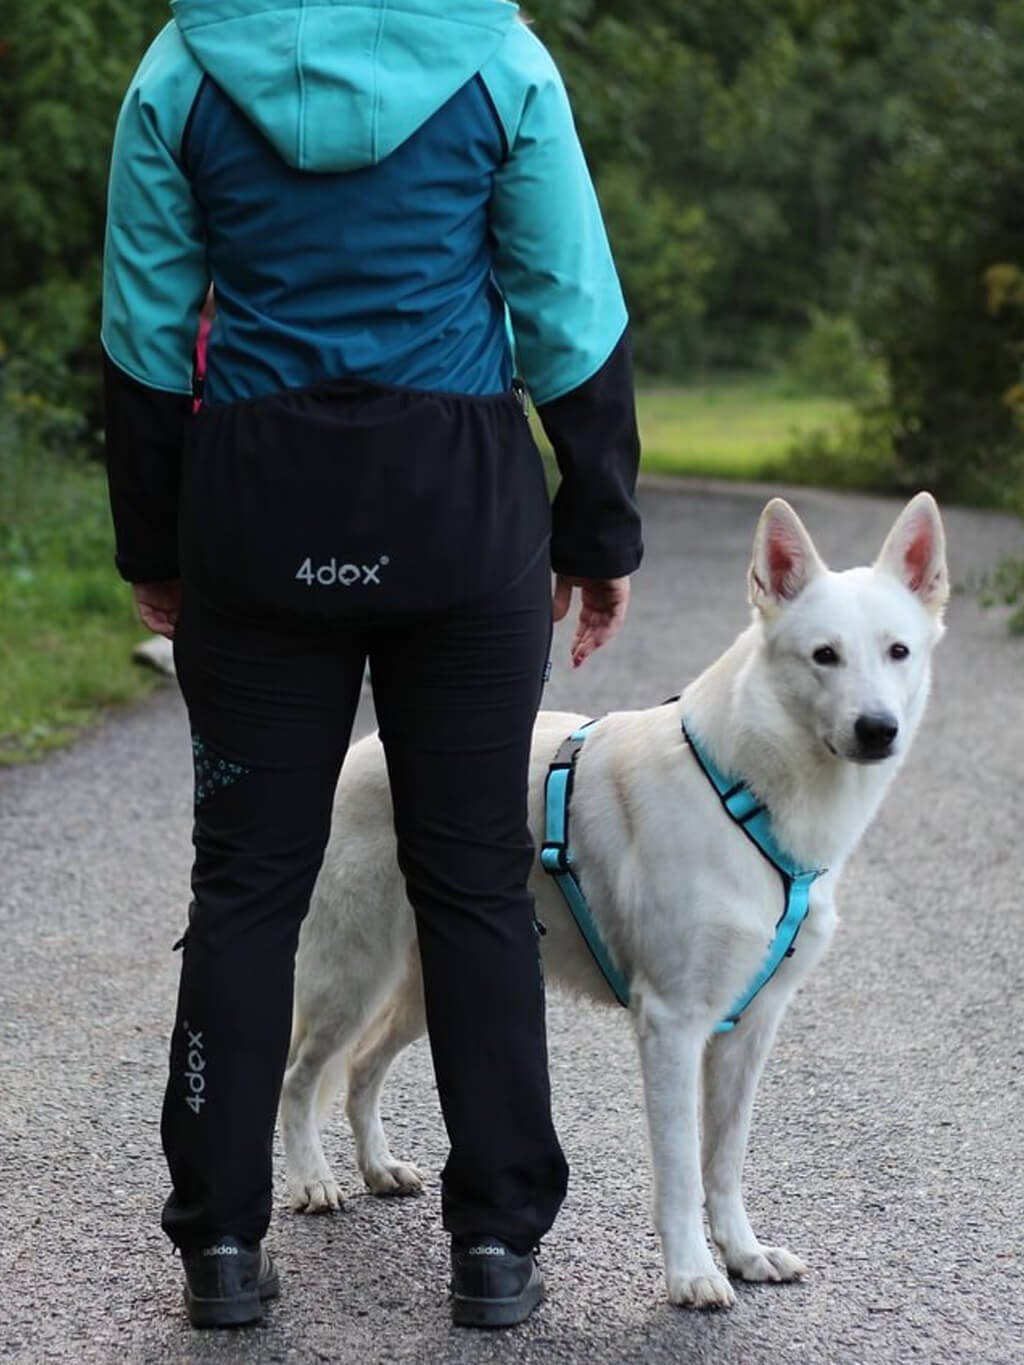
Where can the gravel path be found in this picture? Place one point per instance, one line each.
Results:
(887, 1142)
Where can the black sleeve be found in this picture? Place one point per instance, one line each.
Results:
(145, 433)
(595, 520)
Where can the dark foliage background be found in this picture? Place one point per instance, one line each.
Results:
(839, 183)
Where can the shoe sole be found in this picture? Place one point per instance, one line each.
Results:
(467, 1312)
(240, 1311)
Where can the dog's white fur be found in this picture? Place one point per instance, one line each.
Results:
(686, 904)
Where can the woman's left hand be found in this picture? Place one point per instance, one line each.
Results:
(603, 603)
(159, 605)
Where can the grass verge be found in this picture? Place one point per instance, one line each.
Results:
(67, 622)
(729, 430)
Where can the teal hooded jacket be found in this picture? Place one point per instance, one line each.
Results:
(383, 191)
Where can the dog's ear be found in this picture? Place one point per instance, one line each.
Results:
(915, 552)
(784, 561)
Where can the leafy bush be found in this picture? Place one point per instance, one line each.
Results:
(1006, 588)
(855, 452)
(833, 358)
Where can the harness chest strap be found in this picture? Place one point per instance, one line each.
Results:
(743, 809)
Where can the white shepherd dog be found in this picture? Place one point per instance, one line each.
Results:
(813, 707)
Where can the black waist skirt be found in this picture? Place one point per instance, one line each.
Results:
(357, 502)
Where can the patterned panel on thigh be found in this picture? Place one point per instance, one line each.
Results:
(213, 772)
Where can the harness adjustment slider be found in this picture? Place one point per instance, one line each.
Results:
(555, 858)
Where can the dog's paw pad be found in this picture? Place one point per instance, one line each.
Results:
(394, 1177)
(768, 1265)
(318, 1196)
(701, 1291)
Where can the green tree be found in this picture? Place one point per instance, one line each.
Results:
(64, 66)
(948, 207)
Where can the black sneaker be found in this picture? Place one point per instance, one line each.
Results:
(492, 1285)
(227, 1282)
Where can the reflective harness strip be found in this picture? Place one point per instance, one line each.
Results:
(743, 809)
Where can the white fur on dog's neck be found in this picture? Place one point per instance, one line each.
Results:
(820, 805)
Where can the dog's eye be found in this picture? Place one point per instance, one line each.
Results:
(826, 656)
(898, 651)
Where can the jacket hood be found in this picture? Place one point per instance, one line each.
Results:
(338, 84)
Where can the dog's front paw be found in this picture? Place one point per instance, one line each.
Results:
(701, 1291)
(393, 1177)
(318, 1196)
(767, 1265)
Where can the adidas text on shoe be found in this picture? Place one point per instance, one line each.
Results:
(492, 1285)
(227, 1283)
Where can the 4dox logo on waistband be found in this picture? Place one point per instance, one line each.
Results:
(348, 575)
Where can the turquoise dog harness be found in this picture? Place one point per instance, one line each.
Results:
(742, 807)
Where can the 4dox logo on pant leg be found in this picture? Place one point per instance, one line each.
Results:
(195, 1061)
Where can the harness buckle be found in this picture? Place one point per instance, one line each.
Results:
(554, 858)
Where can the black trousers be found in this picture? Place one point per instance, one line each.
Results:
(272, 690)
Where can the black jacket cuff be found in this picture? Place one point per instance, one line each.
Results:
(145, 433)
(592, 429)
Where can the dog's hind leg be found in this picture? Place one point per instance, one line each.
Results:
(732, 1068)
(400, 1022)
(670, 1056)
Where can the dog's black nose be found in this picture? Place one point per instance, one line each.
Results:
(875, 734)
